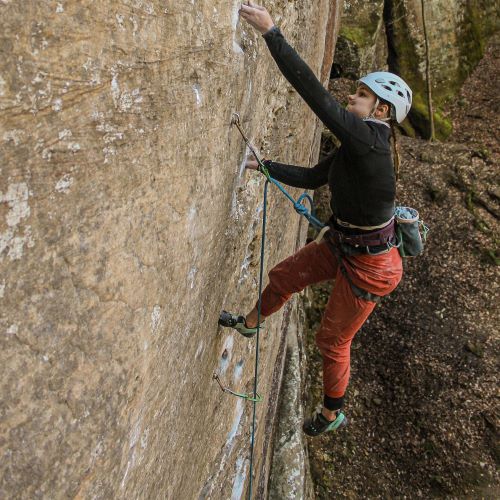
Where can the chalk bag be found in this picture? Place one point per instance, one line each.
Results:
(411, 232)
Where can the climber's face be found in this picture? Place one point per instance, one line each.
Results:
(361, 102)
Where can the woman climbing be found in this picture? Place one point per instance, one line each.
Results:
(358, 251)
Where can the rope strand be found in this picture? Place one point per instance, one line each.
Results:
(261, 279)
(396, 158)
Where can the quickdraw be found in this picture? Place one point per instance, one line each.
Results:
(257, 398)
(300, 208)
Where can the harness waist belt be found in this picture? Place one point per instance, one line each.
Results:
(363, 228)
(371, 239)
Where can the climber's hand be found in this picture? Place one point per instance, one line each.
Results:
(252, 164)
(256, 16)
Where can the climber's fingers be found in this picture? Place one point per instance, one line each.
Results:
(257, 16)
(252, 164)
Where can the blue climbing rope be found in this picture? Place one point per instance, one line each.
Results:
(259, 307)
(300, 208)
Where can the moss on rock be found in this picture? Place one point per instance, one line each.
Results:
(407, 56)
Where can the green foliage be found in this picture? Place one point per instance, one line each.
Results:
(419, 119)
(356, 34)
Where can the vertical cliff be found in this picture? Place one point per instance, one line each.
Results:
(127, 222)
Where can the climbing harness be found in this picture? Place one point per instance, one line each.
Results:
(359, 292)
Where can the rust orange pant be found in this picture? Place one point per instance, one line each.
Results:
(345, 313)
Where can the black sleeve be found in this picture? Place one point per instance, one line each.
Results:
(345, 125)
(302, 177)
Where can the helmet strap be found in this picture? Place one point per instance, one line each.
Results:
(372, 114)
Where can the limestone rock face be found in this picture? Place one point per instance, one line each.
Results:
(127, 222)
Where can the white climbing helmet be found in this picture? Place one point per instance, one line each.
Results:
(390, 88)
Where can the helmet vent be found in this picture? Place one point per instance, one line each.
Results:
(386, 87)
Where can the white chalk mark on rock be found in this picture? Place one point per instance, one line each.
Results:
(16, 136)
(199, 350)
(239, 480)
(16, 198)
(238, 371)
(234, 23)
(119, 19)
(197, 93)
(192, 276)
(64, 183)
(57, 105)
(244, 268)
(134, 437)
(238, 413)
(115, 90)
(227, 349)
(155, 319)
(12, 330)
(64, 134)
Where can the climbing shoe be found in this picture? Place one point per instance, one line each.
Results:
(238, 323)
(317, 424)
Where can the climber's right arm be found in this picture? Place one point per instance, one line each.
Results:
(344, 124)
(295, 176)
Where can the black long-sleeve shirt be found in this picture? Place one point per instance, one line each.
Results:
(360, 173)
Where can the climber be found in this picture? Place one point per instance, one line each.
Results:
(358, 251)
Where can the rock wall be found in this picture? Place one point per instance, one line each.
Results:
(127, 222)
(362, 43)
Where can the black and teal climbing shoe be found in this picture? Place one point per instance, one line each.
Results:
(318, 424)
(238, 323)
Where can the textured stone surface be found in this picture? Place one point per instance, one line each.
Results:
(290, 476)
(126, 223)
(362, 44)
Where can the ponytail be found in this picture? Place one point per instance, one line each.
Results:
(396, 158)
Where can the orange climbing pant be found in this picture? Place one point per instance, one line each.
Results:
(345, 313)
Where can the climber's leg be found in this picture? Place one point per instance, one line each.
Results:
(311, 264)
(345, 314)
(343, 317)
